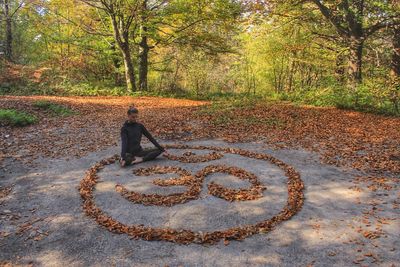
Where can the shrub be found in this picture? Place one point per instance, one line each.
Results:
(16, 118)
(53, 107)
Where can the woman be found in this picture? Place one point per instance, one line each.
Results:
(131, 135)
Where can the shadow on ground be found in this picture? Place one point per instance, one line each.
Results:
(42, 221)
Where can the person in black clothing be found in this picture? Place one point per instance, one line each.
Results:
(131, 135)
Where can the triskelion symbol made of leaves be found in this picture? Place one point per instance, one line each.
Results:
(293, 205)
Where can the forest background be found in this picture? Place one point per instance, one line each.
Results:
(343, 53)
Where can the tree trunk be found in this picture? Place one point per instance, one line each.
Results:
(355, 61)
(143, 62)
(340, 69)
(122, 39)
(8, 51)
(129, 70)
(117, 65)
(395, 70)
(144, 50)
(395, 64)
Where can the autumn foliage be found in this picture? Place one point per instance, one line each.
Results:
(294, 203)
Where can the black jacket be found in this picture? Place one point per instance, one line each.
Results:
(131, 135)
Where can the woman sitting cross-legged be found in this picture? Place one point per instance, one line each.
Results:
(131, 135)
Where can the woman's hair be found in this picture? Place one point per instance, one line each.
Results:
(132, 110)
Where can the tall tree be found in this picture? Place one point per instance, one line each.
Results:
(355, 21)
(395, 29)
(395, 69)
(10, 10)
(123, 17)
(200, 24)
(395, 64)
(7, 18)
(144, 46)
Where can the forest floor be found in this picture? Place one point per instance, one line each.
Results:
(348, 161)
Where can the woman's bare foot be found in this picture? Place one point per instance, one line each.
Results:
(137, 160)
(122, 162)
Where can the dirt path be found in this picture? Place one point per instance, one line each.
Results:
(366, 142)
(343, 221)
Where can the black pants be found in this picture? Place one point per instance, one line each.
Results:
(147, 154)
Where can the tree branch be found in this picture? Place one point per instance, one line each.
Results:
(387, 22)
(16, 10)
(332, 18)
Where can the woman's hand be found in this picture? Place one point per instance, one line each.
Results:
(165, 152)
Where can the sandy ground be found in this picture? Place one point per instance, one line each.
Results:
(42, 221)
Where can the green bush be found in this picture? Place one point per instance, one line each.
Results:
(373, 97)
(92, 89)
(53, 107)
(16, 118)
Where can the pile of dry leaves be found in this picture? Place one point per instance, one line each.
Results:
(194, 183)
(186, 179)
(294, 202)
(190, 157)
(254, 192)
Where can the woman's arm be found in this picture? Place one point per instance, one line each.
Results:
(124, 140)
(150, 137)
